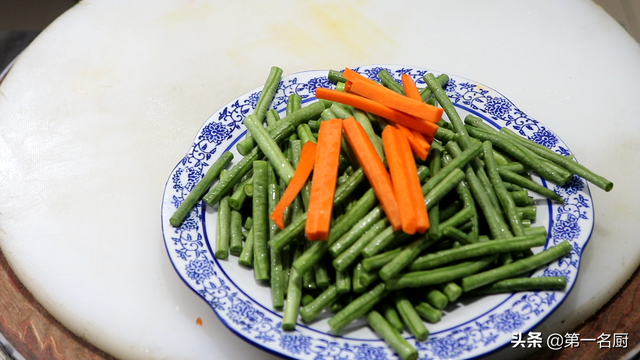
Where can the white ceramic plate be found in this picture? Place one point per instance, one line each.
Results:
(469, 328)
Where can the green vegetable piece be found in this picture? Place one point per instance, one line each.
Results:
(522, 284)
(322, 275)
(246, 256)
(235, 230)
(567, 163)
(199, 190)
(239, 195)
(335, 77)
(348, 257)
(425, 94)
(390, 313)
(519, 243)
(272, 117)
(271, 150)
(407, 255)
(311, 310)
(355, 233)
(389, 82)
(440, 275)
(264, 102)
(306, 299)
(244, 166)
(294, 102)
(521, 198)
(451, 290)
(512, 177)
(516, 268)
(305, 134)
(428, 312)
(507, 202)
(409, 316)
(380, 260)
(260, 214)
(292, 305)
(223, 231)
(343, 282)
(357, 308)
(436, 298)
(391, 336)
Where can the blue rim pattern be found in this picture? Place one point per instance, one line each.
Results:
(191, 253)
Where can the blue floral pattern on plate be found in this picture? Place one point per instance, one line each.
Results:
(243, 307)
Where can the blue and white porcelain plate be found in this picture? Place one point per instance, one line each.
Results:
(470, 327)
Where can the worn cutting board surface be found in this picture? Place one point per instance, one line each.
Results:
(99, 109)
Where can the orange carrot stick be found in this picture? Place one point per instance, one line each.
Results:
(374, 170)
(410, 88)
(422, 218)
(418, 144)
(364, 104)
(354, 76)
(305, 165)
(399, 179)
(392, 99)
(323, 183)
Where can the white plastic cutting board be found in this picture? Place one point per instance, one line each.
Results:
(104, 103)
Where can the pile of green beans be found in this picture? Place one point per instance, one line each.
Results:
(475, 186)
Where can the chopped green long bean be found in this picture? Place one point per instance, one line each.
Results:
(440, 275)
(223, 231)
(243, 166)
(407, 255)
(260, 215)
(246, 256)
(351, 254)
(235, 229)
(292, 305)
(357, 308)
(390, 313)
(428, 312)
(310, 311)
(387, 80)
(514, 178)
(270, 149)
(264, 102)
(516, 268)
(519, 243)
(378, 261)
(522, 284)
(409, 316)
(199, 190)
(508, 205)
(391, 336)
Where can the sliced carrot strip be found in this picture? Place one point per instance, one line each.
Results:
(374, 170)
(418, 143)
(410, 88)
(354, 76)
(305, 165)
(422, 218)
(426, 128)
(325, 177)
(392, 99)
(399, 179)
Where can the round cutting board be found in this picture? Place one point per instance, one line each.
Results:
(98, 110)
